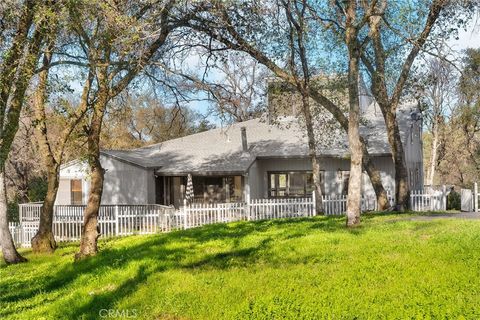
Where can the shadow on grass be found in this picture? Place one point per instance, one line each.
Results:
(159, 253)
(105, 301)
(236, 257)
(154, 247)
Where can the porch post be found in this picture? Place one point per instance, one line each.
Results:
(246, 195)
(226, 185)
(246, 188)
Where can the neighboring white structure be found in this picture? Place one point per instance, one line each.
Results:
(247, 160)
(74, 183)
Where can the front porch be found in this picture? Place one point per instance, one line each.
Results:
(235, 188)
(207, 189)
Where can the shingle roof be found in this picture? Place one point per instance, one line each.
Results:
(220, 150)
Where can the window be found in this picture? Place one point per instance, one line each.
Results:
(76, 192)
(297, 184)
(214, 189)
(292, 184)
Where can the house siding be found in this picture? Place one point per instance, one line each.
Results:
(75, 171)
(387, 172)
(124, 183)
(253, 182)
(127, 184)
(413, 149)
(63, 194)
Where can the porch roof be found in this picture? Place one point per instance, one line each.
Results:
(220, 150)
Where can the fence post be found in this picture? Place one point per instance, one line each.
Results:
(432, 199)
(314, 203)
(444, 197)
(475, 195)
(185, 214)
(117, 220)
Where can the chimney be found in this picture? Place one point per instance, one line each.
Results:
(244, 139)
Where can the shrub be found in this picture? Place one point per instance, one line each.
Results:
(453, 201)
(12, 211)
(37, 189)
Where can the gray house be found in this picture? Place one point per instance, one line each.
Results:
(248, 160)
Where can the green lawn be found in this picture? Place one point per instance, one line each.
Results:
(283, 269)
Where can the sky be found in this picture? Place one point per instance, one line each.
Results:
(467, 38)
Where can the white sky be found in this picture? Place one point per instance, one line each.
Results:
(467, 39)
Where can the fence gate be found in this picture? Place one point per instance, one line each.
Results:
(466, 196)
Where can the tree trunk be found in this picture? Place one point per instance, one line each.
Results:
(354, 198)
(373, 173)
(44, 241)
(402, 190)
(317, 182)
(14, 80)
(90, 231)
(376, 179)
(312, 150)
(433, 156)
(389, 103)
(10, 254)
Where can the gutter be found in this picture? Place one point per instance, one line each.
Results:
(200, 173)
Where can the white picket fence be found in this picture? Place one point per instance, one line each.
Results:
(470, 199)
(432, 201)
(113, 220)
(195, 215)
(262, 209)
(198, 214)
(20, 234)
(123, 220)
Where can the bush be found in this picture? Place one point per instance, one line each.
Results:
(37, 189)
(12, 211)
(453, 201)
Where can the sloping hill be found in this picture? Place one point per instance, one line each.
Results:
(294, 269)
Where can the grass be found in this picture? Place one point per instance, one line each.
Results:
(389, 267)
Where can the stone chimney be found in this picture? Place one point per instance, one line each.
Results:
(244, 139)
